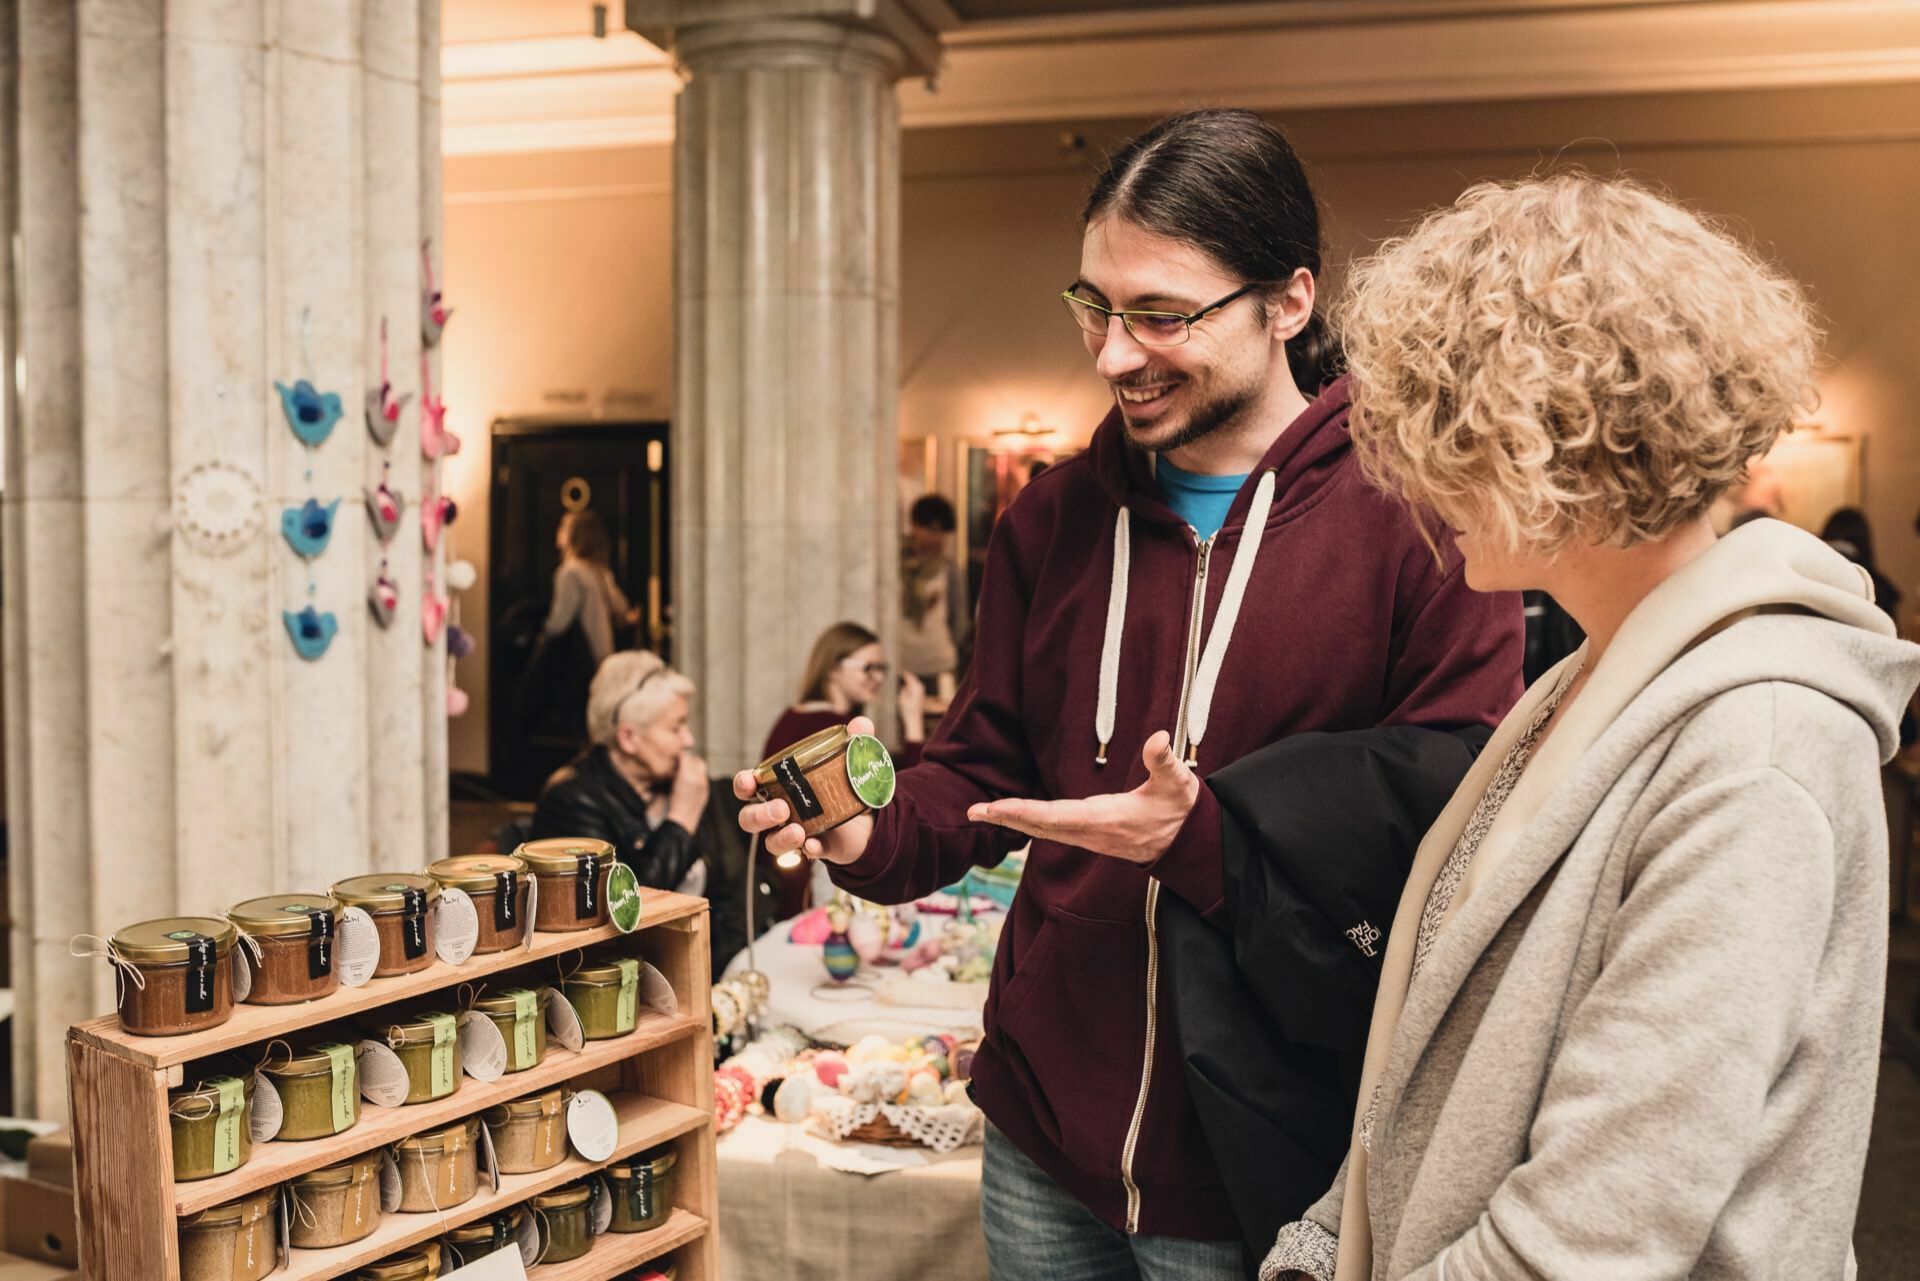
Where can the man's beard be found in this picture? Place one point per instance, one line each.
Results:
(1207, 417)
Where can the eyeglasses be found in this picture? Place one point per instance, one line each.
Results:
(1149, 328)
(872, 669)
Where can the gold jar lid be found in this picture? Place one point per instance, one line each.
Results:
(355, 1169)
(560, 855)
(549, 1104)
(574, 1194)
(165, 941)
(413, 1029)
(436, 1140)
(384, 891)
(506, 1223)
(415, 1265)
(655, 1162)
(814, 750)
(596, 975)
(250, 1208)
(288, 914)
(311, 1061)
(504, 1002)
(475, 873)
(200, 1100)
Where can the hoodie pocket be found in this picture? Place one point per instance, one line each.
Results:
(1073, 1026)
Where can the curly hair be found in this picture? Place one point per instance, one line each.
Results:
(1570, 358)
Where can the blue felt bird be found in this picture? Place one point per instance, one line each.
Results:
(308, 527)
(311, 630)
(310, 413)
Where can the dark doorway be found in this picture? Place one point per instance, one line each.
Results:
(543, 469)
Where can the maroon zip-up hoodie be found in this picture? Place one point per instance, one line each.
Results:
(1346, 623)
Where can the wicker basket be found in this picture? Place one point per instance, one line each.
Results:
(882, 1131)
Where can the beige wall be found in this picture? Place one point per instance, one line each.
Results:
(561, 264)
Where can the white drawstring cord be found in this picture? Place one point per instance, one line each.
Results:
(1214, 654)
(1110, 647)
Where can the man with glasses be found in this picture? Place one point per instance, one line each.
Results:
(1210, 577)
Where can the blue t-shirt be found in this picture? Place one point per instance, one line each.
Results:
(1201, 501)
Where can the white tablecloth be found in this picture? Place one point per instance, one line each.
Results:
(800, 993)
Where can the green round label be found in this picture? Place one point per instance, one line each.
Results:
(183, 934)
(870, 770)
(623, 898)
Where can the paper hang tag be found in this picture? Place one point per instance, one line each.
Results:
(656, 992)
(483, 1051)
(344, 1078)
(444, 1062)
(623, 898)
(489, 1161)
(456, 925)
(600, 1209)
(593, 1125)
(230, 1094)
(383, 1077)
(283, 1242)
(242, 970)
(389, 1182)
(533, 910)
(627, 1011)
(357, 950)
(268, 1111)
(563, 1022)
(501, 1265)
(529, 1240)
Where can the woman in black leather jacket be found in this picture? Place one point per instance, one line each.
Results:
(641, 788)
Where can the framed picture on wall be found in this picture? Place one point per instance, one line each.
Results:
(990, 475)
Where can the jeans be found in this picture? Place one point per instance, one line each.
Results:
(1036, 1231)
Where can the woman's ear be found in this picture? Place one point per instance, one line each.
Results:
(1289, 310)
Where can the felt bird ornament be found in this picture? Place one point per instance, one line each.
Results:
(384, 506)
(383, 598)
(309, 412)
(308, 527)
(311, 631)
(436, 442)
(434, 312)
(383, 407)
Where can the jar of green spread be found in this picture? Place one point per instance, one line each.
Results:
(429, 1048)
(521, 1015)
(319, 1090)
(564, 1217)
(529, 1134)
(212, 1122)
(643, 1190)
(336, 1204)
(474, 1241)
(606, 996)
(414, 1265)
(235, 1241)
(439, 1169)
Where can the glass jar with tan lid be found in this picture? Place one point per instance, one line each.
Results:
(419, 1264)
(572, 871)
(428, 1046)
(439, 1169)
(290, 945)
(336, 1204)
(498, 886)
(236, 1241)
(211, 1122)
(606, 996)
(565, 1219)
(319, 1088)
(401, 905)
(643, 1190)
(521, 1015)
(474, 1241)
(185, 969)
(530, 1134)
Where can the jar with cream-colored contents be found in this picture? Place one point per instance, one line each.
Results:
(290, 940)
(529, 1134)
(521, 1015)
(428, 1046)
(336, 1204)
(401, 905)
(185, 968)
(236, 1241)
(211, 1122)
(572, 873)
(498, 885)
(439, 1169)
(319, 1089)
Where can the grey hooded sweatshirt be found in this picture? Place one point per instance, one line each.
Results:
(1644, 1044)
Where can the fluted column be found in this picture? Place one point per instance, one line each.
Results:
(786, 321)
(212, 198)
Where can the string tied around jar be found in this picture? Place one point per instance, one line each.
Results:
(298, 1204)
(91, 947)
(467, 995)
(569, 964)
(254, 947)
(266, 1055)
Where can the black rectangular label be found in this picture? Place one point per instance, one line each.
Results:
(586, 893)
(506, 900)
(414, 923)
(639, 1193)
(320, 945)
(800, 797)
(199, 974)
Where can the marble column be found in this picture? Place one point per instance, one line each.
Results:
(786, 320)
(212, 198)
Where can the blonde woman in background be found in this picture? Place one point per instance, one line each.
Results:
(1628, 1021)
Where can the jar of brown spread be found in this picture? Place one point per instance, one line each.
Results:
(185, 964)
(529, 1134)
(573, 881)
(828, 778)
(474, 1241)
(521, 1015)
(211, 1123)
(642, 1190)
(290, 945)
(401, 904)
(237, 1241)
(498, 886)
(439, 1169)
(336, 1204)
(319, 1088)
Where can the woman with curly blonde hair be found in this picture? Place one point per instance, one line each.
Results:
(1629, 1011)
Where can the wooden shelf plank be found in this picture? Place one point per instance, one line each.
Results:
(614, 1253)
(277, 1162)
(644, 1122)
(254, 1023)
